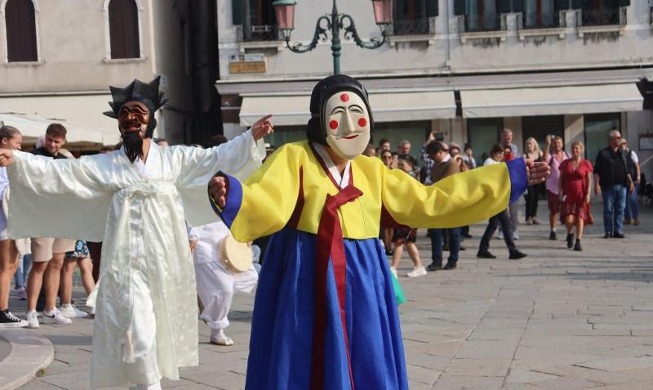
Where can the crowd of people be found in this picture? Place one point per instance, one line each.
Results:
(337, 224)
(568, 190)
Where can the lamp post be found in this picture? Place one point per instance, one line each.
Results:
(285, 13)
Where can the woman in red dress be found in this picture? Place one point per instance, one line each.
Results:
(575, 175)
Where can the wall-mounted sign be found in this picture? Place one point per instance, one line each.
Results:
(247, 63)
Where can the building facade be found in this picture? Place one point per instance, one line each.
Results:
(464, 68)
(58, 59)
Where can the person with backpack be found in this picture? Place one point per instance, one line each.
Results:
(632, 164)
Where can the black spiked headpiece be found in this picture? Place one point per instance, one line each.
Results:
(147, 93)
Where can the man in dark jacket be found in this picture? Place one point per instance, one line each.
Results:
(612, 180)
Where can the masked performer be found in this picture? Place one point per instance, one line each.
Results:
(325, 315)
(135, 200)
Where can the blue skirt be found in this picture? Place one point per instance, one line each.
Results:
(282, 324)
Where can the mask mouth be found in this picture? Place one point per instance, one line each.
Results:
(350, 136)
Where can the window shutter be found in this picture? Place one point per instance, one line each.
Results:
(237, 12)
(518, 6)
(459, 7)
(432, 8)
(624, 3)
(123, 29)
(561, 5)
(505, 6)
(21, 31)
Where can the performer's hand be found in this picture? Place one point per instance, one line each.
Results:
(218, 189)
(537, 172)
(262, 127)
(6, 157)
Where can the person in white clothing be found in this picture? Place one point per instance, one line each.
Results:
(10, 138)
(216, 284)
(136, 201)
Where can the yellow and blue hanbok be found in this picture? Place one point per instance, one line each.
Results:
(325, 314)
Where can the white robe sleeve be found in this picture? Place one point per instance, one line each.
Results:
(239, 157)
(57, 198)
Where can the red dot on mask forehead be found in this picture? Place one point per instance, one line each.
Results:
(333, 124)
(344, 97)
(362, 122)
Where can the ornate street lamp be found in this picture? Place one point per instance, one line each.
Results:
(285, 13)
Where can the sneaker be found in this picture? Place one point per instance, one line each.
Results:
(55, 317)
(529, 221)
(500, 235)
(535, 221)
(450, 266)
(219, 338)
(417, 271)
(570, 240)
(618, 235)
(553, 235)
(394, 271)
(485, 255)
(515, 236)
(93, 311)
(626, 221)
(516, 255)
(8, 320)
(32, 318)
(636, 221)
(577, 246)
(71, 311)
(22, 295)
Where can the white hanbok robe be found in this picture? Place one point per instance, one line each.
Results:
(216, 284)
(146, 311)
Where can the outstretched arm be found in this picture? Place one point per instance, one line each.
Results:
(6, 157)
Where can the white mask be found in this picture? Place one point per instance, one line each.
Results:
(347, 124)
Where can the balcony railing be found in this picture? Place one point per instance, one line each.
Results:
(473, 23)
(603, 18)
(254, 33)
(421, 26)
(543, 20)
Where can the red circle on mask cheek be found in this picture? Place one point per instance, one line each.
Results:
(344, 97)
(362, 122)
(333, 124)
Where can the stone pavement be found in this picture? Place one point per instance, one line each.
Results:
(557, 319)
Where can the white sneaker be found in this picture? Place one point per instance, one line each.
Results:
(219, 338)
(71, 311)
(515, 236)
(394, 271)
(55, 317)
(32, 318)
(417, 271)
(500, 235)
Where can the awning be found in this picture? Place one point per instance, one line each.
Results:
(386, 107)
(83, 110)
(78, 137)
(287, 110)
(489, 103)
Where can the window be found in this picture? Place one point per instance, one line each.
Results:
(480, 15)
(602, 12)
(123, 29)
(412, 16)
(541, 13)
(539, 127)
(21, 31)
(483, 133)
(597, 127)
(256, 19)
